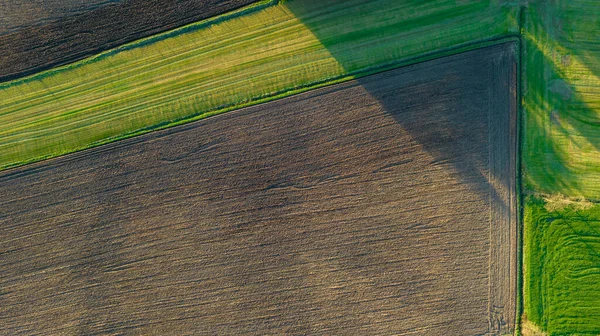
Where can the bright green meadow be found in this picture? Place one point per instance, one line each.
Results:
(562, 254)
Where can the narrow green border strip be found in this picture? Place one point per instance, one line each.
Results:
(520, 124)
(457, 49)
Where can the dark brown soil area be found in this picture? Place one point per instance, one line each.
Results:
(35, 47)
(383, 206)
(19, 14)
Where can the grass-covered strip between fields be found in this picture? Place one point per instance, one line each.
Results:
(310, 215)
(562, 260)
(254, 54)
(561, 101)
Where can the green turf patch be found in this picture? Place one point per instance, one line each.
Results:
(272, 50)
(562, 260)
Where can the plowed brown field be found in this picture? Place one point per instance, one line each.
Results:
(19, 14)
(379, 206)
(76, 29)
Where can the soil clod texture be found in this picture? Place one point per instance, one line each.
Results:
(379, 206)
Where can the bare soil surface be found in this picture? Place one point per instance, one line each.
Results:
(381, 206)
(80, 29)
(18, 14)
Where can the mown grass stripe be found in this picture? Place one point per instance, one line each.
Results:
(264, 50)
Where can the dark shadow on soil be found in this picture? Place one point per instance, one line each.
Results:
(466, 122)
(447, 133)
(559, 97)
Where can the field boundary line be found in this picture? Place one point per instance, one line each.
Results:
(503, 228)
(252, 8)
(457, 49)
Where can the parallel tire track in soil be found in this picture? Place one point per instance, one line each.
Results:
(378, 206)
(71, 38)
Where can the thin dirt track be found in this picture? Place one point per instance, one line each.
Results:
(33, 47)
(379, 206)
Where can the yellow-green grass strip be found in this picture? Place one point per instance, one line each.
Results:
(258, 53)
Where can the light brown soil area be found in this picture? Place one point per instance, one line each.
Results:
(383, 206)
(530, 329)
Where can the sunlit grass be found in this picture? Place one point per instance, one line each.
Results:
(272, 50)
(561, 156)
(268, 50)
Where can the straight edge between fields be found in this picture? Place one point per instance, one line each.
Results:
(142, 42)
(18, 167)
(72, 61)
(503, 206)
(520, 303)
(457, 49)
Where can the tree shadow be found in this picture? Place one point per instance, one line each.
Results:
(554, 112)
(441, 101)
(460, 111)
(561, 70)
(556, 105)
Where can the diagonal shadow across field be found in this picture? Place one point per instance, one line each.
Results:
(440, 140)
(353, 208)
(560, 73)
(445, 135)
(561, 80)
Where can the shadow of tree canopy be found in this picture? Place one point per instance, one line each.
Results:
(561, 137)
(561, 145)
(460, 109)
(448, 130)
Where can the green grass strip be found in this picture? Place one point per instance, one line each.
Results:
(262, 52)
(562, 259)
